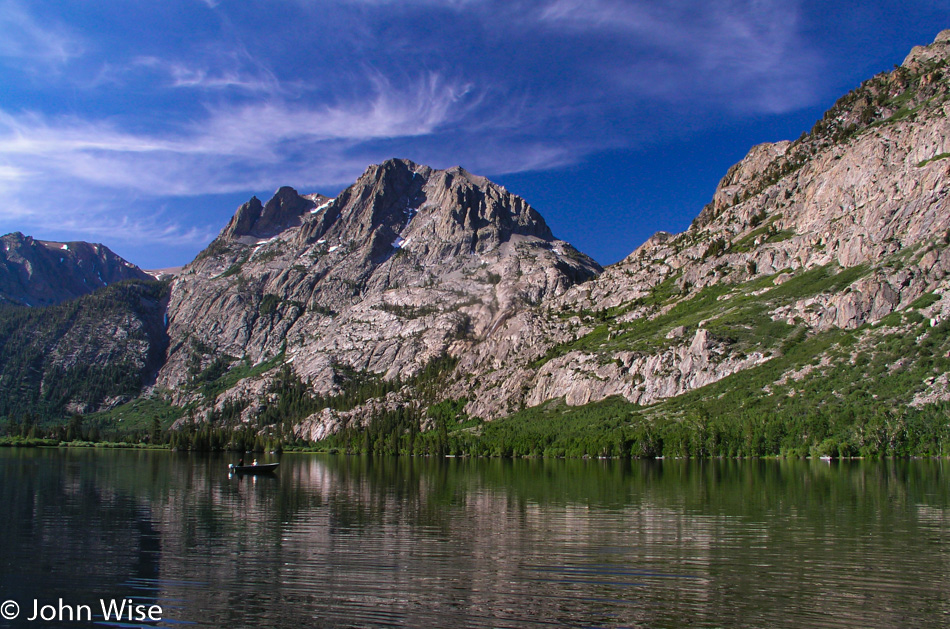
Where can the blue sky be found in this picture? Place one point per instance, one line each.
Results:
(144, 125)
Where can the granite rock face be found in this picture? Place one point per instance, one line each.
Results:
(284, 210)
(406, 265)
(939, 50)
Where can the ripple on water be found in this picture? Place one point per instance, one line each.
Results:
(346, 541)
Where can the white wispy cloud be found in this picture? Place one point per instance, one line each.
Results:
(392, 112)
(213, 74)
(142, 227)
(25, 38)
(744, 53)
(689, 27)
(204, 156)
(506, 86)
(94, 167)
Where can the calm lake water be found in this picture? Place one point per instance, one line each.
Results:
(348, 541)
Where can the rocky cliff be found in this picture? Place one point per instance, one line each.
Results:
(835, 230)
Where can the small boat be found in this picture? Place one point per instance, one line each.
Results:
(265, 468)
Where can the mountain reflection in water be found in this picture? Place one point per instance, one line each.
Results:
(354, 541)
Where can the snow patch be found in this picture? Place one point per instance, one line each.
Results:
(260, 244)
(322, 207)
(333, 248)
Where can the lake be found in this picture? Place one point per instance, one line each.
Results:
(336, 541)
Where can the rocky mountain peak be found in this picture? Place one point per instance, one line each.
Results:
(916, 89)
(381, 202)
(444, 212)
(741, 176)
(284, 210)
(937, 51)
(403, 266)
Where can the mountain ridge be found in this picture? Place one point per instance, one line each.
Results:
(41, 272)
(857, 190)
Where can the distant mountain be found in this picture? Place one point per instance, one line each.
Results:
(40, 272)
(164, 274)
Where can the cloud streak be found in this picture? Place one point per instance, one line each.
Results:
(733, 47)
(190, 161)
(25, 39)
(135, 228)
(213, 76)
(744, 54)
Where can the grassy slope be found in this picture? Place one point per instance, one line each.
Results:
(855, 402)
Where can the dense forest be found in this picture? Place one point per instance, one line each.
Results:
(73, 356)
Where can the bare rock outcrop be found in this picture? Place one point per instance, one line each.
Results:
(406, 265)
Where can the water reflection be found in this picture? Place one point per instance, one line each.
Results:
(352, 541)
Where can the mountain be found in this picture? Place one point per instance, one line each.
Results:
(803, 311)
(81, 330)
(42, 273)
(864, 193)
(406, 265)
(812, 285)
